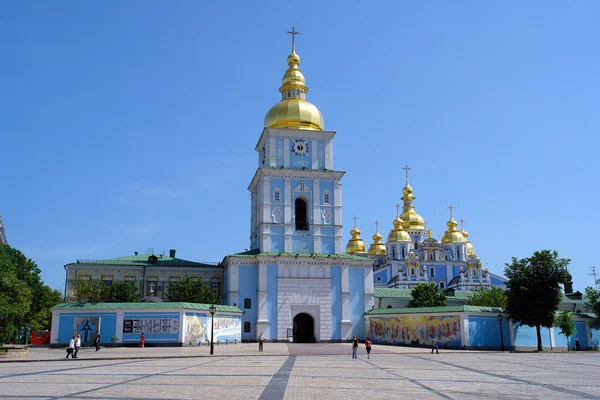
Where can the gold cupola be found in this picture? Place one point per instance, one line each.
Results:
(355, 244)
(377, 247)
(452, 235)
(398, 234)
(411, 220)
(294, 111)
(470, 249)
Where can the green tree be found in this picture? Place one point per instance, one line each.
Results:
(89, 291)
(492, 297)
(592, 297)
(534, 289)
(15, 301)
(192, 291)
(43, 297)
(426, 295)
(564, 322)
(123, 292)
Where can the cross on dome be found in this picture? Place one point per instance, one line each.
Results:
(376, 226)
(354, 221)
(406, 168)
(451, 207)
(293, 32)
(397, 209)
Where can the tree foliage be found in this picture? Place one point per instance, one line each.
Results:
(123, 292)
(564, 322)
(492, 297)
(89, 291)
(534, 291)
(192, 291)
(426, 295)
(25, 301)
(592, 297)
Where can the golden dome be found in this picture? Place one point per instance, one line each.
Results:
(398, 234)
(377, 247)
(470, 249)
(411, 220)
(452, 235)
(293, 111)
(355, 244)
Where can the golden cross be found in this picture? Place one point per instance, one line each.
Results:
(293, 32)
(376, 226)
(451, 208)
(355, 221)
(397, 209)
(406, 168)
(462, 224)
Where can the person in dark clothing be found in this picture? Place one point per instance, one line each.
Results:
(97, 342)
(577, 345)
(435, 346)
(368, 345)
(355, 348)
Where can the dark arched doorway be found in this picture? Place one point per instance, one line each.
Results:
(304, 328)
(301, 214)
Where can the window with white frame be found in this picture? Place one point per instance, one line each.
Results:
(277, 196)
(326, 199)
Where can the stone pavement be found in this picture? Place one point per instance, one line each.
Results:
(321, 371)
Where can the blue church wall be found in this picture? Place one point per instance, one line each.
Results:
(154, 326)
(277, 243)
(277, 230)
(303, 244)
(580, 326)
(321, 155)
(595, 333)
(307, 184)
(276, 183)
(248, 276)
(67, 326)
(440, 273)
(326, 186)
(455, 271)
(356, 277)
(279, 153)
(484, 331)
(497, 282)
(327, 245)
(336, 303)
(272, 300)
(304, 161)
(383, 274)
(526, 336)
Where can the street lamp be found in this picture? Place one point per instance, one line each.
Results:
(212, 309)
(500, 318)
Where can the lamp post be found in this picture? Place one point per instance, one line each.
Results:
(500, 318)
(212, 309)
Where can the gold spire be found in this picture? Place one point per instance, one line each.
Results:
(355, 244)
(452, 235)
(398, 234)
(410, 219)
(377, 247)
(293, 111)
(470, 249)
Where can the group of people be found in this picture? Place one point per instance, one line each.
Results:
(75, 345)
(368, 345)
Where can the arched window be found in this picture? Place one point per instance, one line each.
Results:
(432, 272)
(301, 215)
(403, 252)
(247, 303)
(442, 285)
(416, 245)
(389, 306)
(247, 327)
(393, 252)
(457, 252)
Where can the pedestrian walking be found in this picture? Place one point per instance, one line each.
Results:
(577, 344)
(97, 342)
(261, 341)
(355, 348)
(435, 346)
(77, 345)
(71, 348)
(368, 345)
(142, 340)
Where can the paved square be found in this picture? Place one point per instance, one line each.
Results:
(323, 371)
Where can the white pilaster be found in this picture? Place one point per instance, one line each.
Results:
(180, 335)
(328, 155)
(314, 155)
(287, 209)
(272, 156)
(464, 330)
(119, 326)
(286, 152)
(54, 327)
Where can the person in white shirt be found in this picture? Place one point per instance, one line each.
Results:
(77, 345)
(71, 348)
(261, 341)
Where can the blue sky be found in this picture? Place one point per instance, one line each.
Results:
(131, 125)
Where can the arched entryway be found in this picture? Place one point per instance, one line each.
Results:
(304, 328)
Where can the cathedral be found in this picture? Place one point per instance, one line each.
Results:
(411, 255)
(296, 282)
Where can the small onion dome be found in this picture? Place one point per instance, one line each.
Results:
(355, 244)
(410, 219)
(377, 247)
(470, 249)
(398, 234)
(452, 235)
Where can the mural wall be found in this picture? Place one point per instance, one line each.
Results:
(198, 325)
(416, 330)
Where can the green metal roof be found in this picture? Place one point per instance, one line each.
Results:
(144, 306)
(257, 253)
(430, 310)
(142, 259)
(394, 293)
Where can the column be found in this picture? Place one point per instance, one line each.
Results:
(317, 220)
(346, 323)
(287, 209)
(262, 298)
(464, 330)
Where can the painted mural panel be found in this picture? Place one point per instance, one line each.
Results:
(87, 327)
(198, 326)
(149, 326)
(416, 330)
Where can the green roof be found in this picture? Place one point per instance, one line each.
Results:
(429, 310)
(144, 306)
(257, 253)
(394, 293)
(143, 259)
